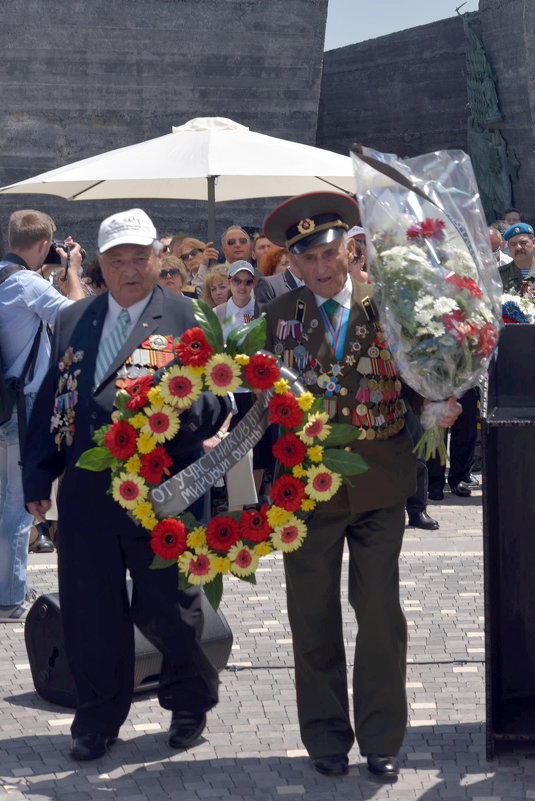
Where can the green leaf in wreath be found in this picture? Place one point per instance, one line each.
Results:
(159, 562)
(183, 583)
(207, 320)
(100, 433)
(344, 462)
(248, 338)
(214, 591)
(95, 459)
(189, 520)
(341, 434)
(121, 399)
(250, 578)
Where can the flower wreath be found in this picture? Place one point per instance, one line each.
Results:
(148, 413)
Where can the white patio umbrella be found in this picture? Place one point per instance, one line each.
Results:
(208, 158)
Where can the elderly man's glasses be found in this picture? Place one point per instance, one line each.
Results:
(186, 256)
(172, 272)
(238, 281)
(241, 239)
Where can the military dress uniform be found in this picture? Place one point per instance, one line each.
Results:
(359, 385)
(97, 540)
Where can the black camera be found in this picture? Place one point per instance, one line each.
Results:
(54, 258)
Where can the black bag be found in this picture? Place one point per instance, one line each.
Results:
(12, 389)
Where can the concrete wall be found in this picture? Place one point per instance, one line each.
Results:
(404, 93)
(81, 77)
(508, 34)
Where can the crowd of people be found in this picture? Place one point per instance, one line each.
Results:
(69, 329)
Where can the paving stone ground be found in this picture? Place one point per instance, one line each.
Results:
(251, 747)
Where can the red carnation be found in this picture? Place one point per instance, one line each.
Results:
(138, 391)
(488, 336)
(193, 348)
(254, 524)
(289, 450)
(169, 538)
(288, 492)
(154, 464)
(428, 229)
(121, 440)
(456, 321)
(262, 371)
(222, 533)
(464, 283)
(284, 410)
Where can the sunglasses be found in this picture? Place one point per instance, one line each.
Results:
(238, 281)
(165, 248)
(172, 272)
(186, 256)
(242, 240)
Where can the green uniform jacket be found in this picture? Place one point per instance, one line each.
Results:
(296, 333)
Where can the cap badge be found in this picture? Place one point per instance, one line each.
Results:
(306, 226)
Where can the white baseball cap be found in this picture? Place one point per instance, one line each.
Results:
(132, 227)
(356, 230)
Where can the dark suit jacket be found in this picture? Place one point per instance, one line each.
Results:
(270, 287)
(83, 502)
(391, 477)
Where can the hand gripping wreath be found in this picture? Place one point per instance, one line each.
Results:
(148, 415)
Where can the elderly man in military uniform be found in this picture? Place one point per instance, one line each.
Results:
(329, 332)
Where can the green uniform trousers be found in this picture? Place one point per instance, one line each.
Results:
(313, 587)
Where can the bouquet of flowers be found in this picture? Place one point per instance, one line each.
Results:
(517, 309)
(148, 417)
(434, 276)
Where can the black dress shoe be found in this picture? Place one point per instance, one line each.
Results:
(43, 543)
(461, 489)
(90, 746)
(436, 495)
(385, 766)
(422, 520)
(335, 765)
(185, 728)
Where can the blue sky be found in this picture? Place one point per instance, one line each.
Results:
(351, 21)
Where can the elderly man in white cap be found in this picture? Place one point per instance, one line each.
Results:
(98, 343)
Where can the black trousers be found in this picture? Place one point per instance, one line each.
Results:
(417, 502)
(98, 627)
(463, 436)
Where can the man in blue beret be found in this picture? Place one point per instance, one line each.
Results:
(519, 237)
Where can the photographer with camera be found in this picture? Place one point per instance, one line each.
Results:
(28, 304)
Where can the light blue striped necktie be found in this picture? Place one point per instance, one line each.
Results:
(111, 345)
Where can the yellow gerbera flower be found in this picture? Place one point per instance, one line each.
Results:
(263, 548)
(315, 453)
(162, 423)
(133, 464)
(222, 374)
(290, 536)
(315, 428)
(197, 537)
(277, 516)
(146, 442)
(299, 471)
(144, 512)
(155, 397)
(180, 386)
(128, 490)
(322, 483)
(307, 504)
(198, 567)
(244, 560)
(305, 401)
(138, 420)
(242, 359)
(221, 564)
(281, 386)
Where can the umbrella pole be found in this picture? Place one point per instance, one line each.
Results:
(211, 208)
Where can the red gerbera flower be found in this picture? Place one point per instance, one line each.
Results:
(284, 410)
(121, 440)
(193, 348)
(154, 464)
(488, 336)
(288, 492)
(222, 533)
(159, 422)
(169, 538)
(254, 524)
(138, 391)
(289, 450)
(262, 371)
